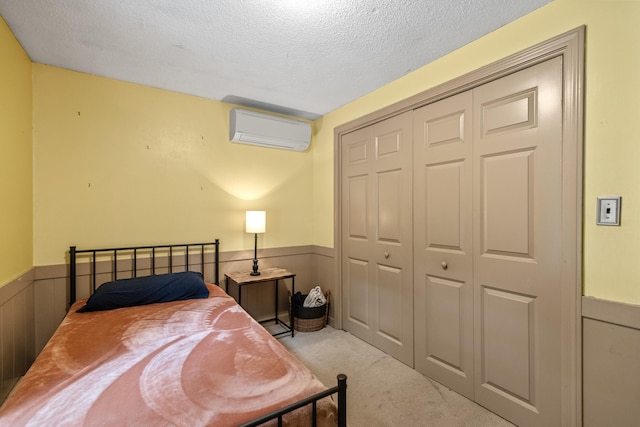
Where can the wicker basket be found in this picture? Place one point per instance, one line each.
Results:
(310, 319)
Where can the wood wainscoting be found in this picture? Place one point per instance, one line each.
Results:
(17, 329)
(611, 363)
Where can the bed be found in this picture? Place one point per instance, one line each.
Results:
(159, 344)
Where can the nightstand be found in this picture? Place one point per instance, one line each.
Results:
(272, 274)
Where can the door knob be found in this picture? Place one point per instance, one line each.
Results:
(444, 265)
(386, 255)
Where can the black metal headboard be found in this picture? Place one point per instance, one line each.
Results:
(132, 254)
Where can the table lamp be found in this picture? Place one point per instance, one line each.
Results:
(255, 223)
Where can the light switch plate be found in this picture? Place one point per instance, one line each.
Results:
(608, 212)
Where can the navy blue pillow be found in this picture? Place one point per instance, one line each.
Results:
(147, 290)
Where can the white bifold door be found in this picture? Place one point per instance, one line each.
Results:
(487, 249)
(451, 243)
(443, 169)
(377, 243)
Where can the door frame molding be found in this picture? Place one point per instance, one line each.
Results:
(569, 46)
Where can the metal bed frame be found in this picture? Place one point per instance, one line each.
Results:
(340, 389)
(133, 251)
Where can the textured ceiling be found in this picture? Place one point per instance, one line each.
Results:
(301, 57)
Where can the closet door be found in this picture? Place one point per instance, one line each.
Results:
(443, 250)
(376, 222)
(517, 245)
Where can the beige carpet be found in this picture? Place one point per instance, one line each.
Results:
(382, 391)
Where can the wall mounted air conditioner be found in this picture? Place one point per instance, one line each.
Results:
(267, 130)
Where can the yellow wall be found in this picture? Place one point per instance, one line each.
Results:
(16, 206)
(612, 126)
(99, 174)
(117, 164)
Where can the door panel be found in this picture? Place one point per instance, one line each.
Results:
(357, 193)
(445, 323)
(517, 230)
(377, 236)
(389, 207)
(508, 372)
(444, 196)
(358, 279)
(511, 113)
(390, 304)
(507, 200)
(443, 242)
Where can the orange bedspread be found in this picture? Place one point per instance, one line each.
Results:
(185, 363)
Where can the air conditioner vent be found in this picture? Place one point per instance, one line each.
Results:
(268, 130)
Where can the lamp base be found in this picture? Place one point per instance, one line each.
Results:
(255, 271)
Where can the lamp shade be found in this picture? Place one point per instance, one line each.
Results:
(256, 221)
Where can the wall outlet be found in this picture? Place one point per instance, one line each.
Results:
(608, 212)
